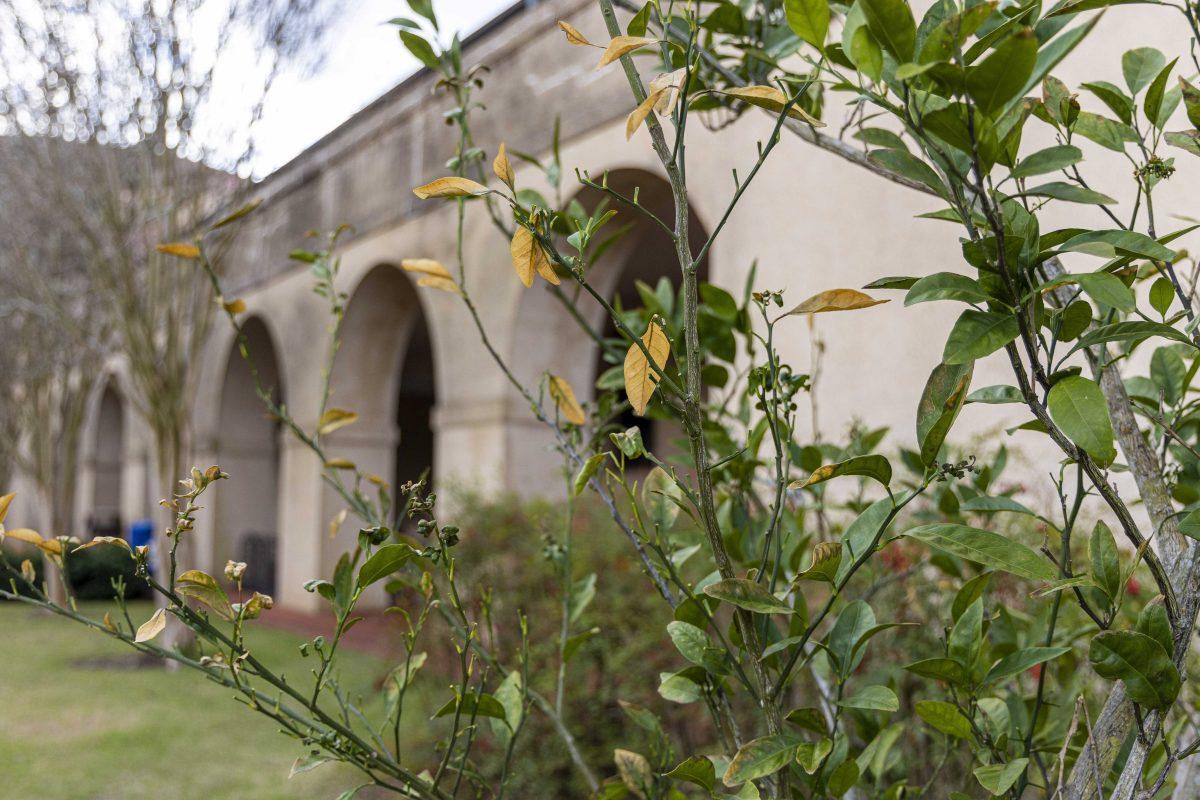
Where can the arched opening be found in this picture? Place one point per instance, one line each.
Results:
(642, 261)
(384, 372)
(108, 466)
(248, 440)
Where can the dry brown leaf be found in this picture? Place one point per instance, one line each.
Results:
(564, 398)
(672, 81)
(640, 378)
(99, 540)
(445, 284)
(335, 418)
(639, 114)
(452, 186)
(5, 502)
(425, 266)
(622, 45)
(772, 99)
(573, 34)
(179, 249)
(25, 535)
(502, 166)
(835, 300)
(528, 257)
(335, 524)
(152, 627)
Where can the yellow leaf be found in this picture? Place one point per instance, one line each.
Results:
(639, 114)
(640, 378)
(99, 540)
(180, 249)
(835, 300)
(564, 397)
(236, 307)
(528, 257)
(772, 99)
(445, 284)
(335, 418)
(108, 623)
(425, 266)
(203, 588)
(573, 35)
(5, 502)
(622, 45)
(378, 481)
(28, 572)
(152, 627)
(236, 215)
(339, 463)
(52, 546)
(336, 523)
(502, 167)
(453, 186)
(671, 81)
(24, 535)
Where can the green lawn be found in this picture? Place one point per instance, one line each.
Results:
(73, 727)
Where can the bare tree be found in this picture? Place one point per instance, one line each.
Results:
(133, 119)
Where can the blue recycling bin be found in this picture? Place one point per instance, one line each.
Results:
(141, 533)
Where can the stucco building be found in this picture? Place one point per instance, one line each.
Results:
(412, 365)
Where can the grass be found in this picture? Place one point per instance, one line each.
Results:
(77, 722)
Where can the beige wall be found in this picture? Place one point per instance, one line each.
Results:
(812, 221)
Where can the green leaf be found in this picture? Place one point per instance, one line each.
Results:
(872, 466)
(1104, 131)
(857, 540)
(1111, 244)
(1117, 101)
(1153, 103)
(1162, 295)
(966, 636)
(987, 548)
(908, 165)
(940, 403)
(999, 778)
(583, 591)
(855, 621)
(996, 395)
(383, 562)
(420, 49)
(1000, 77)
(810, 755)
(747, 594)
(843, 778)
(946, 286)
(1140, 66)
(1077, 405)
(1105, 561)
(892, 282)
(1018, 662)
(977, 334)
(1107, 289)
(942, 669)
(761, 757)
(696, 769)
(872, 698)
(586, 472)
(510, 695)
(1140, 662)
(679, 687)
(866, 53)
(944, 717)
(1191, 101)
(826, 559)
(1133, 332)
(808, 19)
(891, 23)
(485, 705)
(1052, 159)
(1069, 193)
(1169, 374)
(662, 497)
(1153, 622)
(695, 646)
(991, 505)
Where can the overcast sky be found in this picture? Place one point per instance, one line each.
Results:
(364, 59)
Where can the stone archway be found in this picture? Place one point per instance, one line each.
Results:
(107, 466)
(248, 448)
(384, 371)
(547, 338)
